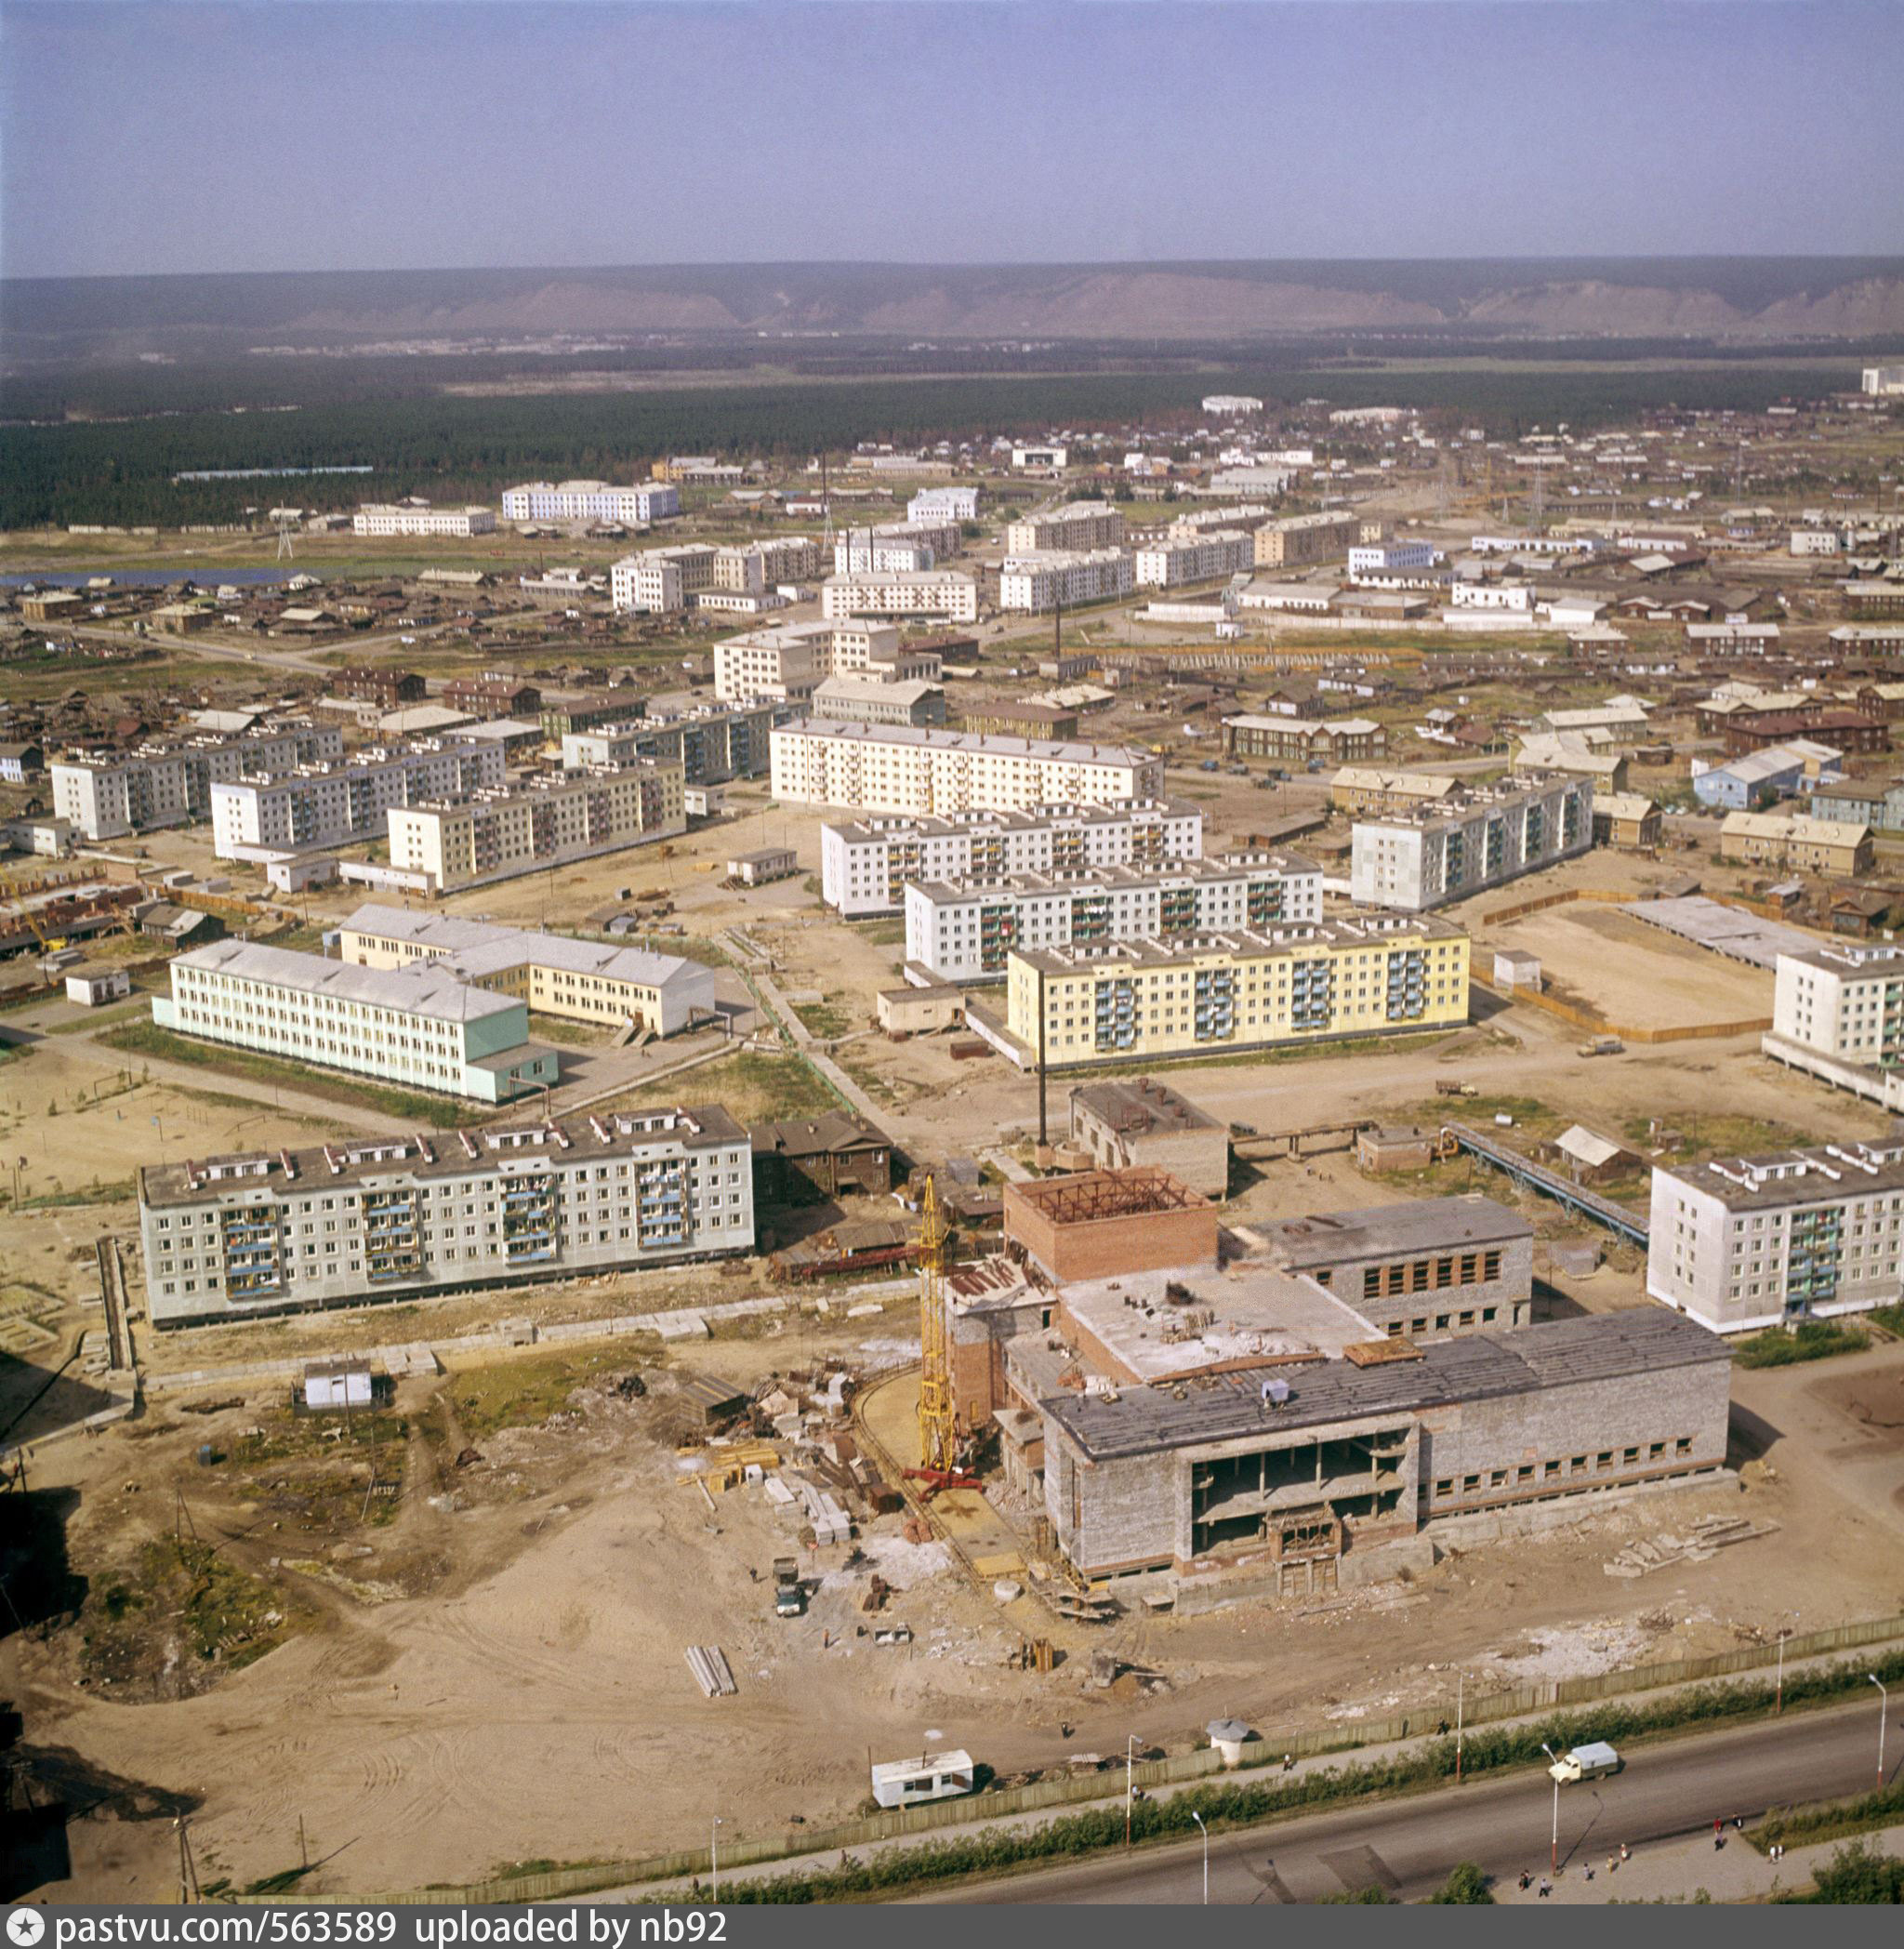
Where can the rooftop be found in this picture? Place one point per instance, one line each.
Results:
(1796, 1176)
(474, 948)
(1373, 1231)
(425, 989)
(1366, 930)
(1145, 1104)
(1033, 819)
(1220, 867)
(987, 744)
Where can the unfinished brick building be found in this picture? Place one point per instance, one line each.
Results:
(1099, 1223)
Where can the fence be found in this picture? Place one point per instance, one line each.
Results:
(1518, 1702)
(1593, 1019)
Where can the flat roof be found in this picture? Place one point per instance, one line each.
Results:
(1414, 1225)
(989, 743)
(1809, 1176)
(1144, 1104)
(423, 989)
(1149, 951)
(1035, 818)
(1229, 1407)
(1217, 867)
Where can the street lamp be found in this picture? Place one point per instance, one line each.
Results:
(1883, 1711)
(1129, 1757)
(1554, 1854)
(1198, 1818)
(1461, 1687)
(714, 1859)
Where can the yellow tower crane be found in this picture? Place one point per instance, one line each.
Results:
(938, 1438)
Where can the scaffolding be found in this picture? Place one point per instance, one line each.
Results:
(937, 1434)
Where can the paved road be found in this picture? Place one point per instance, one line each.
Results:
(1409, 1846)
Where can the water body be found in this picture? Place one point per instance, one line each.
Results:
(146, 578)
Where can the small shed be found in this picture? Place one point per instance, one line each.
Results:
(713, 1400)
(1398, 1148)
(1589, 1157)
(1515, 968)
(769, 864)
(910, 1011)
(932, 1776)
(90, 987)
(341, 1382)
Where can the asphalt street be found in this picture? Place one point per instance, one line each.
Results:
(1503, 1822)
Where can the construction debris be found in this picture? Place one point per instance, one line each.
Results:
(1709, 1537)
(712, 1673)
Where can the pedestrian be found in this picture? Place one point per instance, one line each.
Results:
(1739, 1822)
(1612, 1863)
(1526, 1879)
(1546, 1887)
(1625, 1853)
(1589, 1871)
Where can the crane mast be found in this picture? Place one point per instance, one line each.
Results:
(937, 1434)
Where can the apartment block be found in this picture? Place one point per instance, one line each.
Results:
(867, 700)
(893, 768)
(583, 981)
(1197, 555)
(419, 519)
(1300, 538)
(545, 821)
(967, 929)
(420, 1026)
(1077, 527)
(107, 794)
(1801, 841)
(1423, 859)
(1743, 1243)
(785, 662)
(1426, 1270)
(1300, 740)
(661, 581)
(711, 744)
(865, 866)
(1244, 988)
(592, 500)
(1838, 1015)
(939, 594)
(1032, 583)
(760, 566)
(362, 1220)
(333, 803)
(881, 550)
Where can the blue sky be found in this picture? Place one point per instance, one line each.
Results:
(357, 135)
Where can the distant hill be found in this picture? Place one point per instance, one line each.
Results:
(1706, 298)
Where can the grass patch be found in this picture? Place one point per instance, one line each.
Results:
(882, 933)
(1890, 1318)
(829, 1019)
(1810, 1340)
(759, 1089)
(1830, 1820)
(131, 1011)
(1861, 1874)
(184, 1600)
(1714, 1137)
(577, 1035)
(147, 1039)
(523, 1394)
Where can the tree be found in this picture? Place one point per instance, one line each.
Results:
(1860, 1872)
(1466, 1882)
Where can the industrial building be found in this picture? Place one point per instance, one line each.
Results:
(1244, 988)
(339, 800)
(420, 1026)
(965, 929)
(1743, 1243)
(865, 866)
(109, 794)
(399, 1218)
(712, 744)
(1419, 860)
(592, 500)
(583, 981)
(1425, 1269)
(896, 768)
(1146, 1124)
(547, 820)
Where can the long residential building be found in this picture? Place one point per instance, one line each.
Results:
(420, 1026)
(592, 500)
(966, 929)
(553, 974)
(1075, 527)
(346, 798)
(367, 1219)
(1743, 1243)
(712, 744)
(1419, 860)
(894, 768)
(1801, 841)
(940, 594)
(419, 519)
(1299, 538)
(1030, 584)
(865, 866)
(787, 662)
(545, 821)
(1192, 556)
(1244, 988)
(108, 794)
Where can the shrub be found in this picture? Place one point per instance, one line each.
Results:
(1467, 1883)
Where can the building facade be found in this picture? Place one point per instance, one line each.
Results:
(865, 866)
(592, 500)
(345, 799)
(168, 782)
(1415, 861)
(1199, 555)
(866, 700)
(1299, 740)
(942, 504)
(1301, 538)
(1077, 527)
(1033, 583)
(365, 1220)
(967, 929)
(710, 745)
(419, 519)
(1801, 841)
(937, 594)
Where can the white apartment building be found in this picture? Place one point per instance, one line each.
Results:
(419, 519)
(965, 929)
(943, 504)
(1745, 1243)
(1389, 558)
(712, 744)
(350, 799)
(787, 662)
(1032, 584)
(418, 1026)
(592, 500)
(660, 581)
(865, 866)
(1838, 1015)
(1814, 541)
(1075, 527)
(894, 768)
(360, 1220)
(166, 782)
(880, 552)
(545, 821)
(1883, 381)
(1423, 859)
(1228, 405)
(1193, 555)
(939, 594)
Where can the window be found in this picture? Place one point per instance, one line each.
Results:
(1550, 1471)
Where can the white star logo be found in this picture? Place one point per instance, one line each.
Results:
(25, 1927)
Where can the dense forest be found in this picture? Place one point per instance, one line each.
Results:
(458, 447)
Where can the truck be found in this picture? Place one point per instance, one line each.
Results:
(1593, 1761)
(1445, 1088)
(789, 1594)
(1604, 1045)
